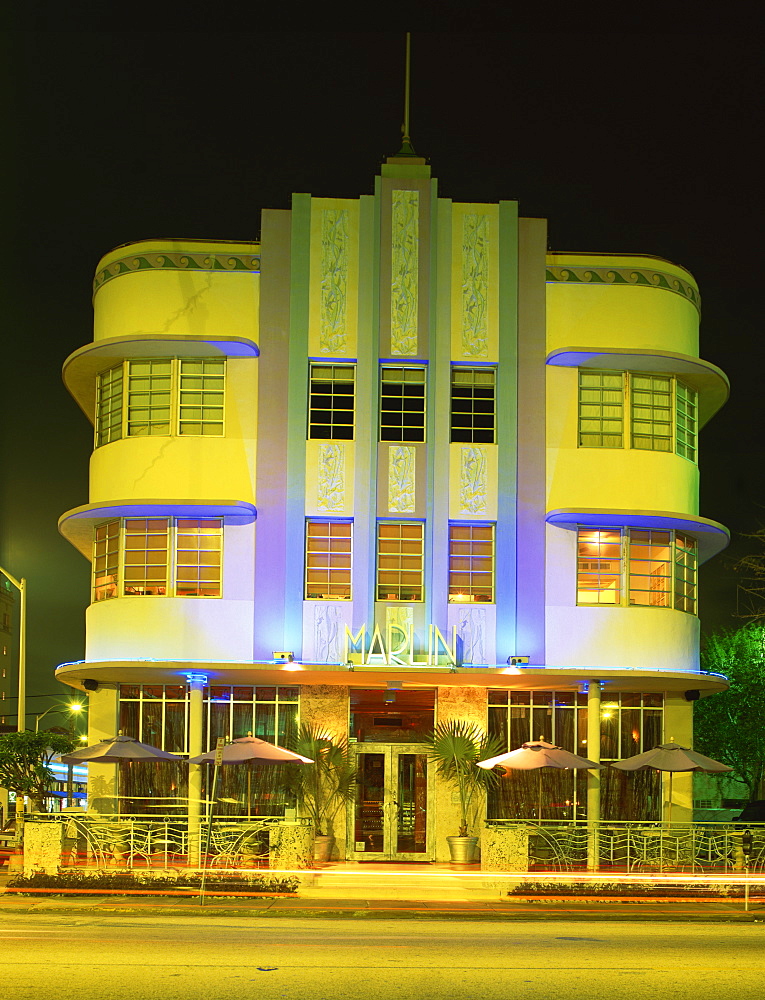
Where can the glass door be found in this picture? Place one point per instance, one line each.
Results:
(391, 816)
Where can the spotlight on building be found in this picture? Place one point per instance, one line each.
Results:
(282, 656)
(514, 661)
(89, 684)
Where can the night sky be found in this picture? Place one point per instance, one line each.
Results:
(628, 144)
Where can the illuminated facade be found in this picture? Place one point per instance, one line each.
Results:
(396, 463)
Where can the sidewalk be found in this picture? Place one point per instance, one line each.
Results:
(440, 893)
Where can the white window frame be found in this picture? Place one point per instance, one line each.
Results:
(312, 587)
(124, 402)
(479, 550)
(677, 421)
(406, 434)
(315, 427)
(676, 576)
(396, 589)
(472, 434)
(114, 585)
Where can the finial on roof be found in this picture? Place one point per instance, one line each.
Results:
(407, 149)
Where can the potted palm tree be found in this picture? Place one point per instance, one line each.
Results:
(321, 789)
(455, 747)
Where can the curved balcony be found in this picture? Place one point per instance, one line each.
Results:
(83, 366)
(711, 537)
(709, 381)
(77, 525)
(195, 468)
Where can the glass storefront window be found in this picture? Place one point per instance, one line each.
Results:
(158, 714)
(630, 723)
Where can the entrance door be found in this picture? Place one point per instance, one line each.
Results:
(391, 818)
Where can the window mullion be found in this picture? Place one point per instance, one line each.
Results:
(624, 550)
(172, 555)
(125, 396)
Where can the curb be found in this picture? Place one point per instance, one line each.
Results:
(368, 910)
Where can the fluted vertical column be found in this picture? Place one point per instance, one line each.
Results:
(196, 706)
(593, 776)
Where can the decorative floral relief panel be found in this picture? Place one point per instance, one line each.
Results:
(404, 272)
(401, 494)
(471, 628)
(328, 632)
(475, 285)
(334, 280)
(473, 480)
(400, 617)
(330, 488)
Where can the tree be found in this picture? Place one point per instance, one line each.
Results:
(729, 726)
(323, 787)
(751, 585)
(455, 747)
(24, 762)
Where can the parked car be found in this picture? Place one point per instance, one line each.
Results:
(753, 812)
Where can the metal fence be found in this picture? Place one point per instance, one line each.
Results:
(643, 847)
(138, 842)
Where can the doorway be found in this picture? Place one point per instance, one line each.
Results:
(392, 819)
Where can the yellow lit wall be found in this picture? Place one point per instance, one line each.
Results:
(633, 317)
(176, 302)
(619, 478)
(187, 468)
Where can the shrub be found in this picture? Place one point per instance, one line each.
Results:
(122, 883)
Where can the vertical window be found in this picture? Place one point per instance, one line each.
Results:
(685, 421)
(201, 396)
(650, 568)
(685, 573)
(198, 557)
(331, 402)
(149, 394)
(164, 396)
(663, 412)
(473, 409)
(651, 412)
(471, 563)
(146, 556)
(106, 560)
(599, 566)
(109, 406)
(328, 560)
(601, 409)
(399, 561)
(158, 557)
(402, 404)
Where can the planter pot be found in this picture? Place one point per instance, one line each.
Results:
(322, 848)
(463, 850)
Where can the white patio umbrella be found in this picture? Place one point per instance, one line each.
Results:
(245, 750)
(114, 751)
(249, 749)
(671, 757)
(537, 754)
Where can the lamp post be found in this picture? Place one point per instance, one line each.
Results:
(74, 707)
(21, 586)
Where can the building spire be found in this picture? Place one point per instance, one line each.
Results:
(407, 150)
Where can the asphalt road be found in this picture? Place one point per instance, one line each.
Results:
(101, 958)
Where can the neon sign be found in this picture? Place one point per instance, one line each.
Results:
(397, 648)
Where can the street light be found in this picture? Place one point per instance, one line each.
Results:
(21, 586)
(74, 707)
